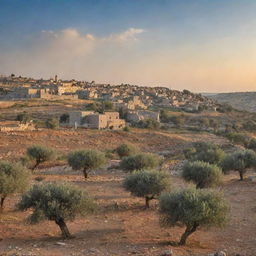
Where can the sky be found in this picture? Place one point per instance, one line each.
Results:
(199, 45)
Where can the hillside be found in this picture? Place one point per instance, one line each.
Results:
(239, 100)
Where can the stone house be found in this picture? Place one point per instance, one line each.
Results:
(136, 116)
(90, 119)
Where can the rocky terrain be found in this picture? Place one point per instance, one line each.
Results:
(239, 100)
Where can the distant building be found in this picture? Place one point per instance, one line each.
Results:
(90, 119)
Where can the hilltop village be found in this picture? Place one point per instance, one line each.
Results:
(135, 100)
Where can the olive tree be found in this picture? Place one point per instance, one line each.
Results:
(192, 208)
(56, 202)
(239, 161)
(23, 117)
(86, 160)
(202, 174)
(40, 154)
(206, 152)
(14, 178)
(147, 184)
(139, 162)
(125, 150)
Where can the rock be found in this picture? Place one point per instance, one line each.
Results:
(61, 243)
(220, 253)
(167, 253)
(252, 178)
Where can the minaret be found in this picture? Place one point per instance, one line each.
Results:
(56, 78)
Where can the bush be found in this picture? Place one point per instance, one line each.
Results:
(126, 150)
(203, 174)
(139, 162)
(148, 124)
(126, 129)
(215, 124)
(40, 154)
(206, 152)
(23, 117)
(59, 203)
(147, 184)
(14, 178)
(238, 138)
(252, 144)
(52, 123)
(86, 160)
(179, 121)
(193, 208)
(239, 161)
(64, 118)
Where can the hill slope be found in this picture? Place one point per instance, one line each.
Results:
(238, 100)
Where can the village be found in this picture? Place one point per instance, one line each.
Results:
(137, 102)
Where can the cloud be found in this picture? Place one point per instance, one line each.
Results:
(69, 53)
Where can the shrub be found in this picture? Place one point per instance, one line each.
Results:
(206, 152)
(86, 160)
(238, 138)
(202, 174)
(252, 144)
(23, 117)
(64, 118)
(215, 124)
(239, 161)
(147, 124)
(52, 123)
(59, 203)
(125, 150)
(14, 178)
(179, 121)
(139, 162)
(126, 129)
(147, 184)
(40, 154)
(192, 208)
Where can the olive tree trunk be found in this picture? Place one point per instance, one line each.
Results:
(147, 199)
(63, 227)
(35, 166)
(189, 230)
(241, 174)
(85, 173)
(2, 202)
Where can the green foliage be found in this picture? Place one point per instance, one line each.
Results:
(86, 160)
(164, 116)
(40, 154)
(206, 152)
(56, 202)
(179, 121)
(193, 208)
(64, 118)
(139, 162)
(204, 122)
(225, 108)
(52, 123)
(203, 174)
(23, 117)
(215, 124)
(148, 124)
(126, 150)
(100, 106)
(238, 138)
(250, 126)
(239, 161)
(252, 144)
(126, 129)
(147, 184)
(14, 178)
